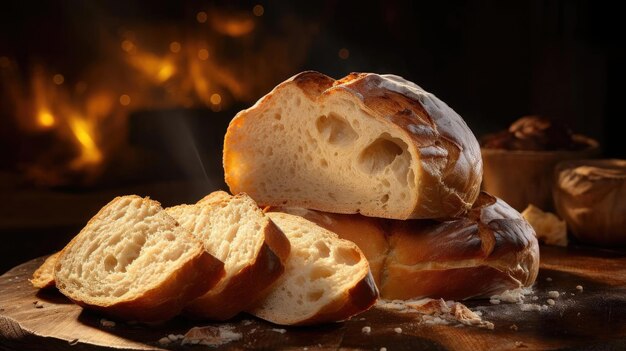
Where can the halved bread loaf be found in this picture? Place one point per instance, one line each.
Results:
(133, 261)
(485, 252)
(235, 230)
(373, 144)
(327, 279)
(43, 277)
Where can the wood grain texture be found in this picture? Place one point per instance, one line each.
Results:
(592, 319)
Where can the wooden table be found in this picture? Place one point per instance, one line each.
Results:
(592, 319)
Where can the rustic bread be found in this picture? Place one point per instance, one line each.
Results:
(133, 261)
(489, 250)
(326, 279)
(43, 277)
(373, 144)
(235, 230)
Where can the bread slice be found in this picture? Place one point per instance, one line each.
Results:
(43, 277)
(253, 249)
(133, 261)
(327, 279)
(373, 144)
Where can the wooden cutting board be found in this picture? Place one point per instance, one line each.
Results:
(592, 319)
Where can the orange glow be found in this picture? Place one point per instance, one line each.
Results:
(175, 47)
(45, 118)
(58, 79)
(203, 54)
(128, 45)
(201, 17)
(158, 69)
(233, 26)
(90, 154)
(125, 100)
(216, 99)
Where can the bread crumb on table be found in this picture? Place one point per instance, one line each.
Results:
(383, 349)
(366, 330)
(398, 330)
(494, 301)
(107, 323)
(164, 340)
(513, 327)
(553, 294)
(278, 330)
(550, 302)
(579, 288)
(548, 279)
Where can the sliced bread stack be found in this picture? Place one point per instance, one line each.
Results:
(391, 167)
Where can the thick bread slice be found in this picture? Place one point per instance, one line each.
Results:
(488, 250)
(373, 144)
(43, 277)
(327, 279)
(253, 249)
(133, 261)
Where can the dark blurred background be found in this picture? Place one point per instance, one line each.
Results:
(104, 98)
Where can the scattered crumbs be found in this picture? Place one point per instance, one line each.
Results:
(398, 330)
(544, 307)
(172, 337)
(211, 336)
(362, 318)
(366, 330)
(548, 279)
(383, 349)
(164, 340)
(553, 294)
(579, 288)
(437, 312)
(550, 302)
(511, 296)
(494, 301)
(535, 298)
(279, 330)
(107, 323)
(38, 304)
(246, 322)
(73, 342)
(530, 307)
(252, 330)
(513, 327)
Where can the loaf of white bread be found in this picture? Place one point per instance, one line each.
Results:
(484, 252)
(373, 144)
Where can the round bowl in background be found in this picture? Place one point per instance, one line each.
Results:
(590, 195)
(523, 177)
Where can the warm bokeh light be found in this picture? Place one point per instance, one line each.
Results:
(125, 100)
(344, 53)
(45, 118)
(258, 10)
(216, 99)
(175, 47)
(201, 17)
(128, 45)
(233, 26)
(58, 79)
(203, 54)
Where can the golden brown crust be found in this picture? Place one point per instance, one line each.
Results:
(489, 250)
(354, 301)
(448, 154)
(43, 277)
(248, 285)
(191, 280)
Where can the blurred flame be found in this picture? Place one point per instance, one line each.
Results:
(90, 154)
(156, 68)
(45, 118)
(233, 26)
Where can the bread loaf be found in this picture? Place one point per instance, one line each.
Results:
(133, 261)
(489, 250)
(373, 144)
(327, 279)
(253, 249)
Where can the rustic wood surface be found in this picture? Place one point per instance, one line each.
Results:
(592, 319)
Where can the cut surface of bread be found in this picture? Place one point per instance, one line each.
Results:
(327, 279)
(235, 230)
(133, 261)
(43, 277)
(487, 251)
(373, 144)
